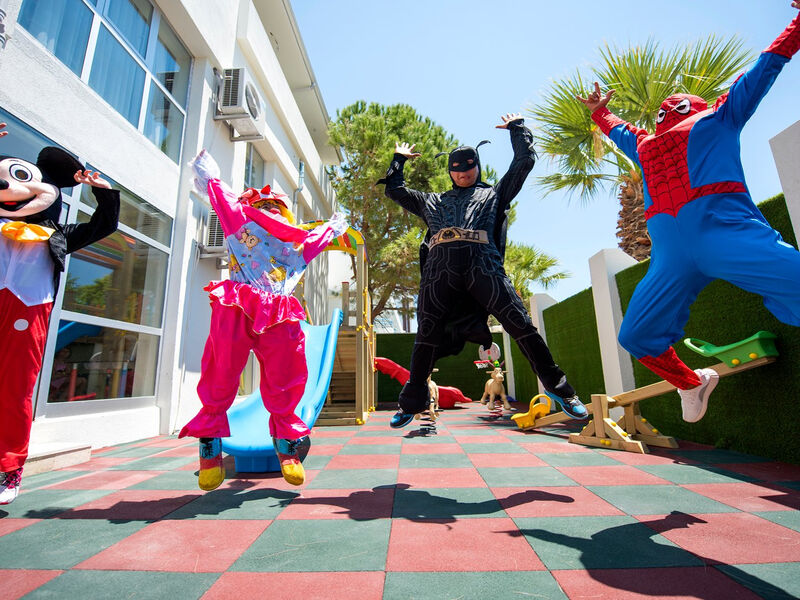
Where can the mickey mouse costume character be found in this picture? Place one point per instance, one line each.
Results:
(701, 219)
(33, 246)
(462, 269)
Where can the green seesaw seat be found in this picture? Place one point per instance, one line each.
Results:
(250, 442)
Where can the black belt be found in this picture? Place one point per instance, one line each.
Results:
(457, 234)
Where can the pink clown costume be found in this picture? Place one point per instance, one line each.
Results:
(254, 310)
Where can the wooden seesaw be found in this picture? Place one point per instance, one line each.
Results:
(633, 433)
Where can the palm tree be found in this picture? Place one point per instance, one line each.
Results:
(526, 265)
(643, 76)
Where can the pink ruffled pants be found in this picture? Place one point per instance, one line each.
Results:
(280, 351)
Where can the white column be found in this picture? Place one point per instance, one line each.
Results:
(617, 365)
(540, 303)
(785, 150)
(510, 385)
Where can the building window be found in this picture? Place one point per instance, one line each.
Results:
(253, 168)
(143, 76)
(62, 27)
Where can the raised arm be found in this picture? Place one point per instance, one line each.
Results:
(223, 200)
(522, 163)
(741, 101)
(625, 135)
(412, 200)
(105, 218)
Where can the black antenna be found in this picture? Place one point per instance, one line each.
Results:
(481, 143)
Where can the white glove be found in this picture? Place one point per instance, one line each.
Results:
(205, 169)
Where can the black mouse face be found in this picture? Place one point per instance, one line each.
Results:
(22, 191)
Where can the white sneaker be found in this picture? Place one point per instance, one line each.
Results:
(694, 402)
(9, 487)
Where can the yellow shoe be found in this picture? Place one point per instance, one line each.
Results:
(293, 471)
(212, 469)
(291, 454)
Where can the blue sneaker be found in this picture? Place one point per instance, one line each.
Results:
(573, 407)
(400, 419)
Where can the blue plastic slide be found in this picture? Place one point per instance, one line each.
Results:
(250, 442)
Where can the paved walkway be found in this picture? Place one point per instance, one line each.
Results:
(478, 511)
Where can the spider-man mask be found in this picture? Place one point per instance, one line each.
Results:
(677, 108)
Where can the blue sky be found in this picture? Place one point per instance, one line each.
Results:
(464, 63)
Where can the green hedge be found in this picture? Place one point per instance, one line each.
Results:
(571, 329)
(753, 412)
(456, 371)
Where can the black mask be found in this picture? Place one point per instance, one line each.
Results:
(463, 159)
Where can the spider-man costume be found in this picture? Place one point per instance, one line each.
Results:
(700, 216)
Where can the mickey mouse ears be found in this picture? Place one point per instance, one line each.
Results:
(58, 166)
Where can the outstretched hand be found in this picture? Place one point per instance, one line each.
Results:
(508, 118)
(405, 150)
(596, 99)
(3, 126)
(92, 178)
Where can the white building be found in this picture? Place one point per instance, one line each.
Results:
(130, 87)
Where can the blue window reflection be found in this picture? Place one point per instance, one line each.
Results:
(62, 27)
(117, 77)
(164, 123)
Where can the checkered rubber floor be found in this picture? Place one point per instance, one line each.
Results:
(479, 510)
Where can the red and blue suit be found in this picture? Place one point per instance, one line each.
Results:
(700, 216)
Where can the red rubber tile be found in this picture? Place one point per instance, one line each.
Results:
(190, 450)
(441, 478)
(133, 505)
(766, 471)
(325, 449)
(105, 480)
(282, 586)
(98, 463)
(331, 433)
(732, 538)
(8, 524)
(506, 460)
(611, 475)
(341, 504)
(553, 447)
(465, 545)
(673, 583)
(445, 448)
(196, 546)
(480, 439)
(18, 582)
(364, 461)
(749, 497)
(567, 501)
(632, 458)
(376, 439)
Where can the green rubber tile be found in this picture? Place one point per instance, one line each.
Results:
(434, 461)
(775, 581)
(171, 480)
(718, 457)
(131, 585)
(42, 504)
(133, 452)
(577, 459)
(155, 463)
(530, 477)
(446, 503)
(318, 545)
(657, 499)
(256, 504)
(316, 463)
(601, 543)
(439, 438)
(787, 518)
(685, 474)
(792, 485)
(351, 479)
(498, 448)
(370, 449)
(61, 543)
(496, 585)
(38, 481)
(329, 441)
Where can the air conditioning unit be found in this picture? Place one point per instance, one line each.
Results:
(213, 244)
(239, 103)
